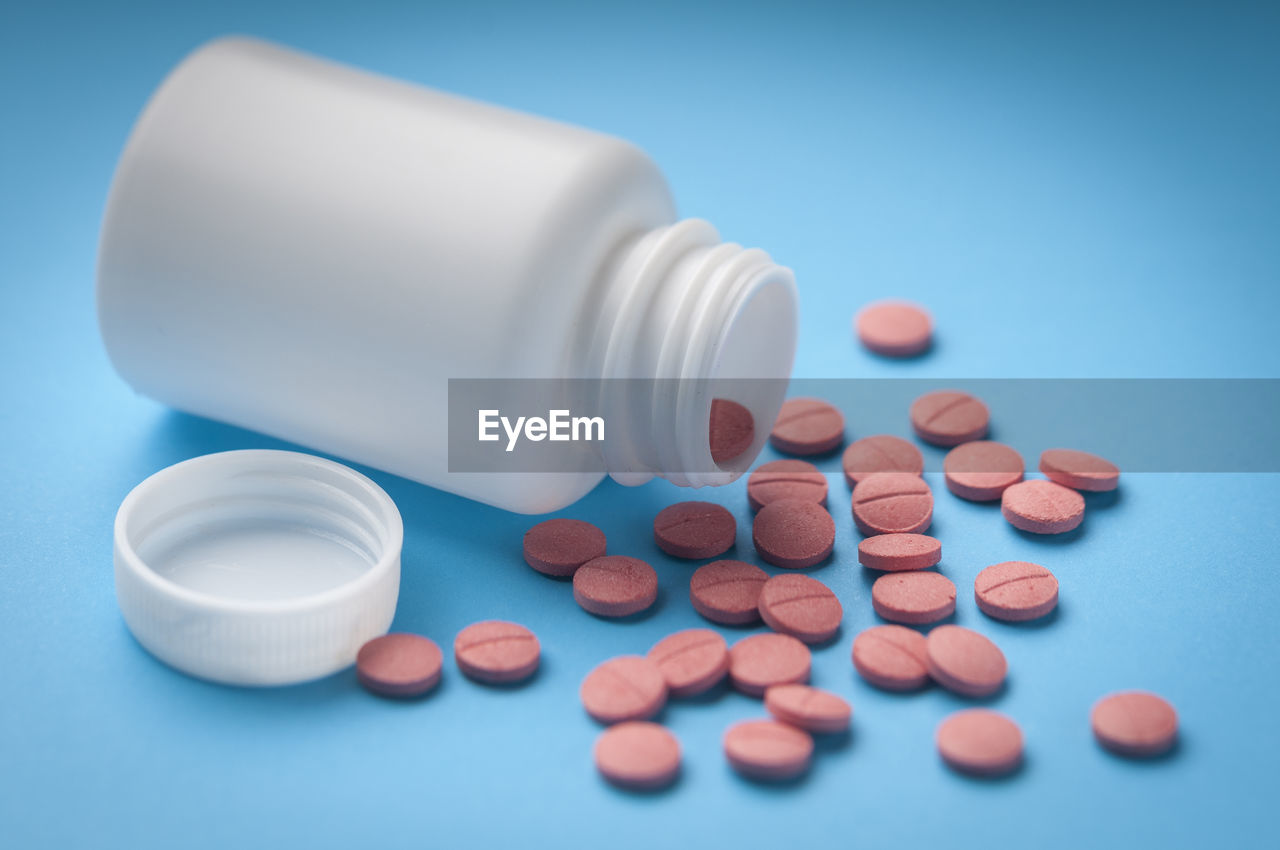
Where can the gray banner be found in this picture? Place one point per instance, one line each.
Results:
(1141, 425)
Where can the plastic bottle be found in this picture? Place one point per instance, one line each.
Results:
(312, 251)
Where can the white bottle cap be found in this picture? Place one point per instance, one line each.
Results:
(257, 567)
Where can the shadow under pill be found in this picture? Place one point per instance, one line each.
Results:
(789, 784)
(1063, 539)
(962, 701)
(1101, 501)
(638, 794)
(831, 743)
(948, 620)
(735, 627)
(899, 361)
(869, 576)
(499, 687)
(1028, 625)
(829, 642)
(926, 688)
(638, 617)
(994, 780)
(814, 459)
(818, 567)
(1140, 762)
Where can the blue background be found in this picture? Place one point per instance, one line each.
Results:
(1091, 190)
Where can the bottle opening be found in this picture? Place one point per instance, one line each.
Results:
(750, 365)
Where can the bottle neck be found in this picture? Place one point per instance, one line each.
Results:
(687, 319)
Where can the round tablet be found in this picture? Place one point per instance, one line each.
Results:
(1042, 507)
(807, 426)
(880, 453)
(802, 607)
(982, 470)
(638, 756)
(496, 652)
(399, 665)
(892, 503)
(615, 586)
(768, 750)
(691, 661)
(727, 592)
(1079, 470)
(899, 552)
(629, 687)
(1015, 591)
(558, 547)
(980, 742)
(894, 328)
(793, 533)
(949, 418)
(811, 709)
(965, 662)
(694, 530)
(1135, 723)
(891, 657)
(786, 479)
(759, 661)
(915, 597)
(732, 430)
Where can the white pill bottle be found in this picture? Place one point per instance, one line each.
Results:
(313, 252)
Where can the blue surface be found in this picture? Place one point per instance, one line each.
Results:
(1092, 191)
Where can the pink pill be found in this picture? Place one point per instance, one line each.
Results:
(694, 530)
(615, 586)
(980, 742)
(691, 661)
(891, 657)
(807, 426)
(759, 661)
(1079, 470)
(1042, 507)
(949, 418)
(982, 470)
(894, 328)
(1135, 723)
(496, 652)
(899, 552)
(558, 547)
(727, 592)
(965, 662)
(732, 430)
(786, 479)
(629, 687)
(892, 503)
(1015, 591)
(768, 750)
(638, 756)
(914, 598)
(811, 709)
(399, 665)
(802, 607)
(880, 453)
(793, 533)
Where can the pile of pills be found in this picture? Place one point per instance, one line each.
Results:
(892, 506)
